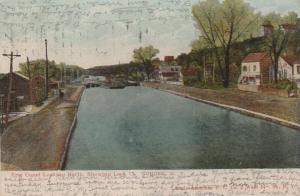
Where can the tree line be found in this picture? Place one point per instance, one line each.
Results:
(56, 70)
(228, 30)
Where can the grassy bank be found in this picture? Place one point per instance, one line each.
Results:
(280, 107)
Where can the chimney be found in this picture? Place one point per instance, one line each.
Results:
(268, 28)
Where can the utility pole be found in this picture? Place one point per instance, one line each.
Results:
(12, 56)
(204, 68)
(61, 73)
(28, 69)
(214, 72)
(30, 82)
(46, 70)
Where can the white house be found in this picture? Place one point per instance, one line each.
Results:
(94, 79)
(285, 68)
(251, 69)
(256, 70)
(296, 71)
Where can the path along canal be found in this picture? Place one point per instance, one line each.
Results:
(142, 128)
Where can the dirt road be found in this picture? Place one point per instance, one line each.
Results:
(36, 142)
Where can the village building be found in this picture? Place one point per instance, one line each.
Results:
(190, 72)
(167, 71)
(190, 75)
(285, 68)
(21, 91)
(173, 77)
(37, 88)
(169, 59)
(170, 72)
(255, 71)
(296, 71)
(54, 84)
(25, 91)
(268, 28)
(289, 28)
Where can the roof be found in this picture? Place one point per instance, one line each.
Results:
(17, 74)
(169, 58)
(21, 75)
(288, 26)
(189, 72)
(38, 76)
(267, 23)
(297, 61)
(254, 57)
(170, 74)
(289, 60)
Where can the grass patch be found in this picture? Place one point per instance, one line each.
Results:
(214, 86)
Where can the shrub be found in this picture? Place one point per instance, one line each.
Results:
(39, 102)
(190, 81)
(285, 84)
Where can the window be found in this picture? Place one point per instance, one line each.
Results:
(254, 67)
(298, 69)
(285, 73)
(280, 73)
(244, 68)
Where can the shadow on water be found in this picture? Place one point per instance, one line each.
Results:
(140, 128)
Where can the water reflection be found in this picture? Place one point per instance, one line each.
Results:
(139, 128)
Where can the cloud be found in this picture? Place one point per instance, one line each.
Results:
(275, 5)
(85, 33)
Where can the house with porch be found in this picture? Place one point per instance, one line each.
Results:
(255, 71)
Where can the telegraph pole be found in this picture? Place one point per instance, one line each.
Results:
(28, 69)
(12, 56)
(204, 68)
(61, 73)
(30, 81)
(46, 71)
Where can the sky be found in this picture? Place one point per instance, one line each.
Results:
(102, 32)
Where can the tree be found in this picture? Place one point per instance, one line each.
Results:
(278, 41)
(37, 67)
(145, 56)
(184, 60)
(290, 18)
(221, 24)
(199, 44)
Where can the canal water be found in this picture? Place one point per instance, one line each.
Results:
(141, 128)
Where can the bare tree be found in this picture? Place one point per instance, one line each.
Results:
(277, 41)
(221, 24)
